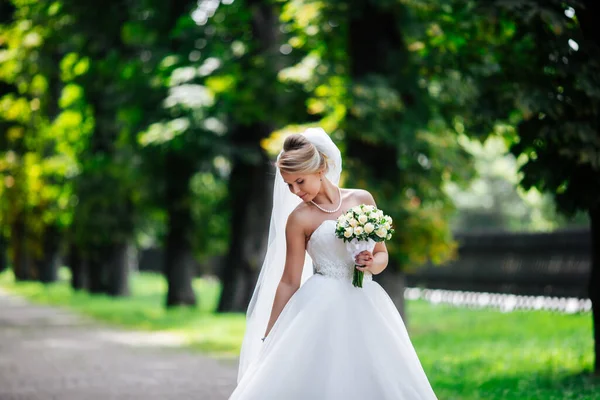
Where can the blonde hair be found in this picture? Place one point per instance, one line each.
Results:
(300, 156)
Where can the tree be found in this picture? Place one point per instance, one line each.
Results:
(550, 50)
(38, 147)
(371, 90)
(127, 85)
(250, 192)
(560, 130)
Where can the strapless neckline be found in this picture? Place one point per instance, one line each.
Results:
(317, 228)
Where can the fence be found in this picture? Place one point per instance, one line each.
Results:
(536, 264)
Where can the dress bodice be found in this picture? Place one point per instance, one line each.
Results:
(329, 254)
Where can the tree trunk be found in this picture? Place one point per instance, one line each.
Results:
(250, 192)
(47, 264)
(22, 263)
(95, 262)
(376, 48)
(179, 268)
(117, 280)
(249, 188)
(591, 32)
(393, 280)
(594, 284)
(3, 263)
(78, 266)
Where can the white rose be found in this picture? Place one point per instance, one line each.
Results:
(369, 227)
(380, 213)
(387, 226)
(381, 232)
(389, 236)
(342, 219)
(353, 223)
(369, 208)
(358, 230)
(348, 232)
(349, 216)
(388, 219)
(363, 218)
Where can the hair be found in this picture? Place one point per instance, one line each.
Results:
(300, 156)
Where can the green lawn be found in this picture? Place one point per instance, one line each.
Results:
(467, 354)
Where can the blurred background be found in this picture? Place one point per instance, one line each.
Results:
(136, 148)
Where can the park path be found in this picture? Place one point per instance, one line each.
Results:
(48, 353)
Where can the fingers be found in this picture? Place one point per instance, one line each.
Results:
(364, 258)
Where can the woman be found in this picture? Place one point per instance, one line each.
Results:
(316, 336)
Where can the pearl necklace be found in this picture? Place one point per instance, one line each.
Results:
(330, 211)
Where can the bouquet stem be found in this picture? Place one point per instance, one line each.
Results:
(357, 279)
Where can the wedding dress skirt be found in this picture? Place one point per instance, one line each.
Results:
(333, 341)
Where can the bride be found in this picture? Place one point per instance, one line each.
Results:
(310, 333)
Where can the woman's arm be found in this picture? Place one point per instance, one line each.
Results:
(377, 261)
(292, 273)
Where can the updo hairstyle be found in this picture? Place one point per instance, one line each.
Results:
(300, 156)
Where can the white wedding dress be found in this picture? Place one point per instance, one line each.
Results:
(333, 341)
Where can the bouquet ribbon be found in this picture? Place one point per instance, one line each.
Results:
(355, 247)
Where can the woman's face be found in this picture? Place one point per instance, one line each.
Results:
(305, 186)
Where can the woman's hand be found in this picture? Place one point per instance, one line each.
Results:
(364, 260)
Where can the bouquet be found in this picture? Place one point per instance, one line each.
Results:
(361, 227)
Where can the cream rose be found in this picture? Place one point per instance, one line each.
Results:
(358, 230)
(369, 208)
(353, 223)
(387, 226)
(348, 232)
(381, 232)
(369, 227)
(389, 236)
(363, 218)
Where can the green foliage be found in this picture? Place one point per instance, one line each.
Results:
(95, 102)
(210, 194)
(539, 73)
(43, 133)
(398, 134)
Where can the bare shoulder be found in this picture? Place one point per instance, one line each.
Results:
(362, 196)
(298, 217)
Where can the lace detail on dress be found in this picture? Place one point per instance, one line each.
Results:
(329, 255)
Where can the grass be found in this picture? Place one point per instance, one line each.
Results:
(487, 354)
(467, 354)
